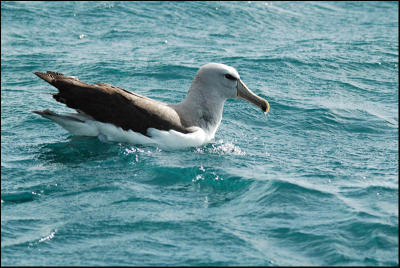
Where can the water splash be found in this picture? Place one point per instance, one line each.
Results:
(221, 147)
(48, 237)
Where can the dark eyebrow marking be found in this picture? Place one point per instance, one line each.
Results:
(230, 77)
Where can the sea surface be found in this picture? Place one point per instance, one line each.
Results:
(315, 182)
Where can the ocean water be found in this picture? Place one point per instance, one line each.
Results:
(315, 182)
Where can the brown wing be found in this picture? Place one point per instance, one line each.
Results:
(110, 104)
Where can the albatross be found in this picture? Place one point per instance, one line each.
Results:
(115, 114)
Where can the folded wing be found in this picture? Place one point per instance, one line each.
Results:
(110, 104)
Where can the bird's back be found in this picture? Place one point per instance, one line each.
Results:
(111, 104)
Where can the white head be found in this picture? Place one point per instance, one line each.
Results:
(220, 79)
(218, 82)
(211, 86)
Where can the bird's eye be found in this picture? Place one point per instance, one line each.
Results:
(230, 77)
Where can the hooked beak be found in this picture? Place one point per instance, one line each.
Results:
(244, 93)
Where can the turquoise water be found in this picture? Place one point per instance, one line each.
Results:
(313, 183)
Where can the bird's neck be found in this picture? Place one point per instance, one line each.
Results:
(201, 108)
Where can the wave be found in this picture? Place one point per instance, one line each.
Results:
(18, 197)
(328, 116)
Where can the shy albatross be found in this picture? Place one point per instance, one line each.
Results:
(116, 114)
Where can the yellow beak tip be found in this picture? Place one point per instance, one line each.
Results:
(266, 108)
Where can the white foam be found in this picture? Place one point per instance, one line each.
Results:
(221, 147)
